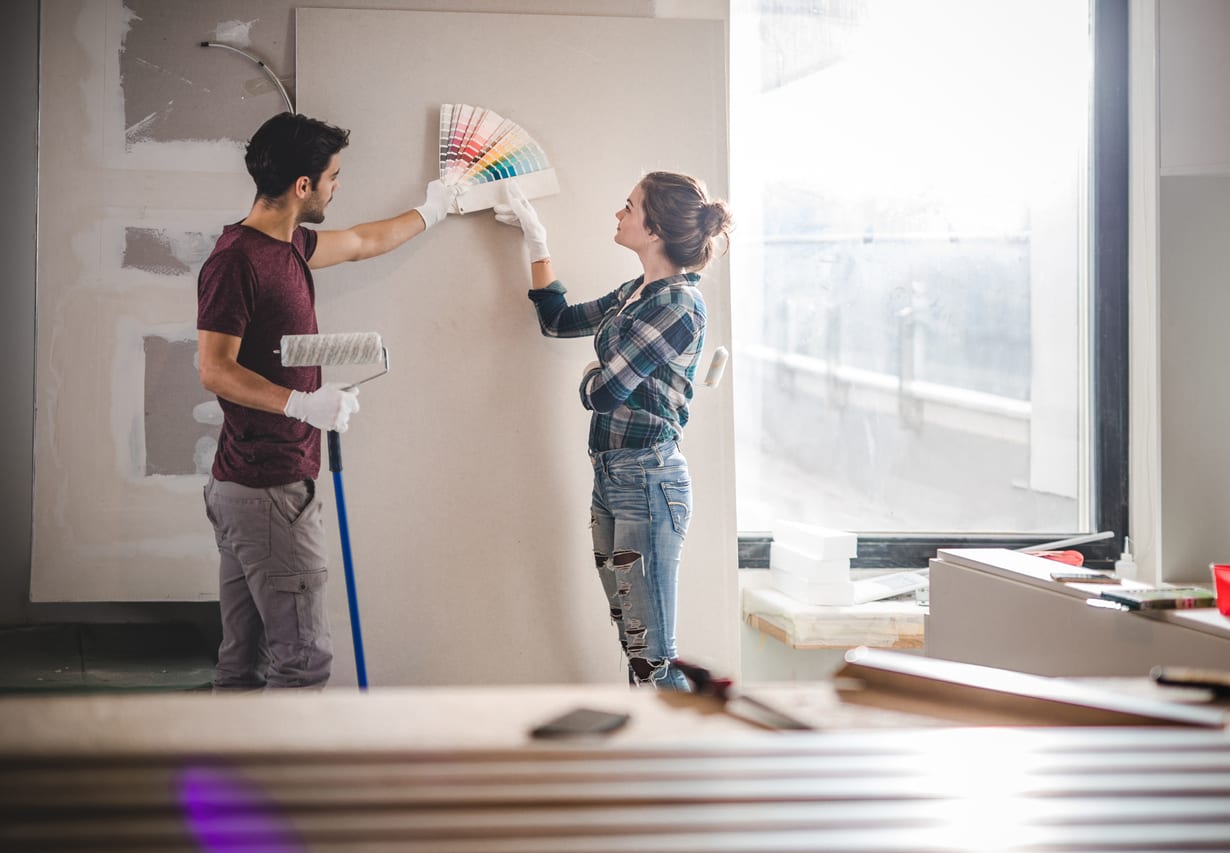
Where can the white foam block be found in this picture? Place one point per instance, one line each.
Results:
(811, 592)
(807, 566)
(488, 195)
(823, 543)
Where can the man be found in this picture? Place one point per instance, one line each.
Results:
(255, 287)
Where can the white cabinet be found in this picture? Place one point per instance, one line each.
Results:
(1000, 608)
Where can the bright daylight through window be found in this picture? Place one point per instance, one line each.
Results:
(912, 184)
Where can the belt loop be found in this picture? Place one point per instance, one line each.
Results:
(658, 453)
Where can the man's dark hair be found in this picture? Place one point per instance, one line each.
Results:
(288, 147)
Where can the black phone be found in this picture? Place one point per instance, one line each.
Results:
(580, 721)
(1083, 577)
(1217, 680)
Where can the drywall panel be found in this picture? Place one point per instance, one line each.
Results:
(183, 105)
(466, 471)
(122, 424)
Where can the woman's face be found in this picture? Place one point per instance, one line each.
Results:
(631, 231)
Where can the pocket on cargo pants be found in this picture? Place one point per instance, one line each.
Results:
(294, 603)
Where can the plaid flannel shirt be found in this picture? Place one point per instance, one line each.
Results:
(648, 350)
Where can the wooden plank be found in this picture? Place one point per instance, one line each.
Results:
(711, 818)
(845, 772)
(882, 624)
(879, 823)
(183, 773)
(1012, 698)
(771, 627)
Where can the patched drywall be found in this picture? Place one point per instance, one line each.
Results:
(175, 90)
(182, 419)
(165, 252)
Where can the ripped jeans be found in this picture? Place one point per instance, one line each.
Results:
(642, 504)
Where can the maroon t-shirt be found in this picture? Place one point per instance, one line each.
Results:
(259, 288)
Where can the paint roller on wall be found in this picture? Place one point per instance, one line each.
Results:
(350, 348)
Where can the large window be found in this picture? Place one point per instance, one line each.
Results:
(930, 289)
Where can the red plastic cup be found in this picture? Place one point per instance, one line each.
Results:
(1221, 586)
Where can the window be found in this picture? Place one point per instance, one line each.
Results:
(929, 298)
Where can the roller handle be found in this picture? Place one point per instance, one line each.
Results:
(335, 451)
(352, 596)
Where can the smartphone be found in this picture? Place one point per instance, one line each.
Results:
(1217, 680)
(580, 721)
(1162, 598)
(1083, 577)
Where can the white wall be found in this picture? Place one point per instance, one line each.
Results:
(476, 483)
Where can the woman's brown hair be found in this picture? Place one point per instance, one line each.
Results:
(689, 223)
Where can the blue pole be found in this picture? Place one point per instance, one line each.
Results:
(352, 599)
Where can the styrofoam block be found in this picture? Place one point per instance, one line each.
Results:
(823, 543)
(810, 592)
(807, 566)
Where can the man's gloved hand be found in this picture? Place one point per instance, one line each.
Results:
(517, 210)
(328, 408)
(439, 199)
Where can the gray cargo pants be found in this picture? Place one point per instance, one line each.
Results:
(271, 586)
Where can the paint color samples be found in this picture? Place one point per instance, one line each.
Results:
(478, 146)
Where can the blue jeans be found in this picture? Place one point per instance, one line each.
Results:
(642, 504)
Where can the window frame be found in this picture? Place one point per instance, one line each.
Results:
(1109, 336)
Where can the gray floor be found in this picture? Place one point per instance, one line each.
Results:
(69, 658)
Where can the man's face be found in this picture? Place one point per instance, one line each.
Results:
(314, 205)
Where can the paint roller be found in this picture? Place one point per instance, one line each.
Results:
(717, 366)
(335, 350)
(331, 351)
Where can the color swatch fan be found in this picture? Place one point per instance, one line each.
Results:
(479, 149)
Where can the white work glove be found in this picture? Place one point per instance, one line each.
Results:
(329, 407)
(517, 210)
(439, 200)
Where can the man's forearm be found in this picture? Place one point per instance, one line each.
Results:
(237, 384)
(385, 235)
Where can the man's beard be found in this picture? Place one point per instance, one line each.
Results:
(314, 214)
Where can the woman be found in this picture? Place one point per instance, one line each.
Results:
(648, 335)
